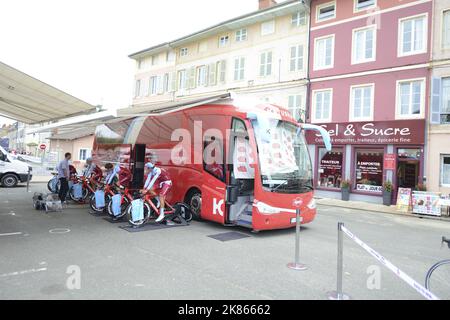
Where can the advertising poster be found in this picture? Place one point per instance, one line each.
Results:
(426, 203)
(404, 199)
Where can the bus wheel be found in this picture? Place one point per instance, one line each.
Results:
(194, 200)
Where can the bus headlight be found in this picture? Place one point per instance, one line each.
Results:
(264, 208)
(312, 204)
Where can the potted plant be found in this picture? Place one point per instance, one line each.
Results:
(345, 190)
(387, 193)
(421, 187)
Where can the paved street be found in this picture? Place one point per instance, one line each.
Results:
(184, 263)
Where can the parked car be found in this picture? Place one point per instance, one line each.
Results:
(12, 171)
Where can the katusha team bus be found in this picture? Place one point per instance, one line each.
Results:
(235, 164)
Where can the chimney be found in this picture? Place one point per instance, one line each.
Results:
(264, 4)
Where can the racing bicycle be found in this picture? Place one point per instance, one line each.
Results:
(151, 211)
(437, 265)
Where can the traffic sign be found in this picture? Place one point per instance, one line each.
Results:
(42, 146)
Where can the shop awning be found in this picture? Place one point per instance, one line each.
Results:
(28, 100)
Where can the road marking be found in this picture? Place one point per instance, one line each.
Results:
(19, 273)
(10, 234)
(59, 230)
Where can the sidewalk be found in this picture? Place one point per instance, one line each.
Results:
(40, 179)
(373, 207)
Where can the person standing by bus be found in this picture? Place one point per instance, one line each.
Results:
(161, 178)
(64, 176)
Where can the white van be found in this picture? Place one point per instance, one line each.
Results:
(12, 171)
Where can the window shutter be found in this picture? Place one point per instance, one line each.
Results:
(145, 87)
(160, 84)
(205, 75)
(436, 101)
(293, 58)
(242, 71)
(223, 71)
(172, 83)
(192, 78)
(212, 81)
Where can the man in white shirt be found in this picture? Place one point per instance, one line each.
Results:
(64, 176)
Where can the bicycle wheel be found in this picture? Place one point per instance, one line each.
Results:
(123, 208)
(93, 206)
(440, 285)
(147, 213)
(83, 197)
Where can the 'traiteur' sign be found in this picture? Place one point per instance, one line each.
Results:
(379, 132)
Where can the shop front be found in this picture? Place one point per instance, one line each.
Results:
(367, 154)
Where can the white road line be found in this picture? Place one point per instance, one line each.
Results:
(10, 234)
(19, 273)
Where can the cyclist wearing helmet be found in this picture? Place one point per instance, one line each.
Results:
(159, 177)
(92, 170)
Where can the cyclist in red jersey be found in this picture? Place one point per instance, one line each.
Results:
(161, 179)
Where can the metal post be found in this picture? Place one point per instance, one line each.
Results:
(338, 294)
(296, 265)
(28, 180)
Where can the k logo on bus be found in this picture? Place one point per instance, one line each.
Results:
(217, 206)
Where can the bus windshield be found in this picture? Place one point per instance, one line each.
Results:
(283, 156)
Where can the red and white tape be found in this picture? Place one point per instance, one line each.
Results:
(417, 286)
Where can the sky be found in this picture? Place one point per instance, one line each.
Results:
(82, 46)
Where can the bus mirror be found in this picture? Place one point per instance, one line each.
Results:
(232, 194)
(325, 134)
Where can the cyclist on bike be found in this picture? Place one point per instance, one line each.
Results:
(92, 170)
(159, 177)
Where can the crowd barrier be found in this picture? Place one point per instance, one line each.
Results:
(340, 295)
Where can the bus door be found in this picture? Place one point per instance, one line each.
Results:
(137, 166)
(213, 180)
(241, 186)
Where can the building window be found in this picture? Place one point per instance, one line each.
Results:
(183, 52)
(324, 53)
(298, 19)
(361, 103)
(223, 41)
(241, 35)
(322, 105)
(182, 79)
(364, 45)
(84, 154)
(330, 168)
(239, 69)
(202, 76)
(369, 171)
(153, 88)
(446, 29)
(413, 36)
(410, 98)
(154, 60)
(296, 63)
(267, 28)
(445, 106)
(203, 46)
(265, 67)
(170, 56)
(295, 107)
(445, 170)
(326, 11)
(137, 89)
(361, 5)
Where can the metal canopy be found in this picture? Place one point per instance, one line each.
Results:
(26, 99)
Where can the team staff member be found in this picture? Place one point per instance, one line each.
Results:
(64, 176)
(163, 185)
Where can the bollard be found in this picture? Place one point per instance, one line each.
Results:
(28, 180)
(296, 265)
(338, 294)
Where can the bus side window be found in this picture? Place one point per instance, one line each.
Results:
(213, 156)
(2, 156)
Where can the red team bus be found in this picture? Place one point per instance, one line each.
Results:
(235, 165)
